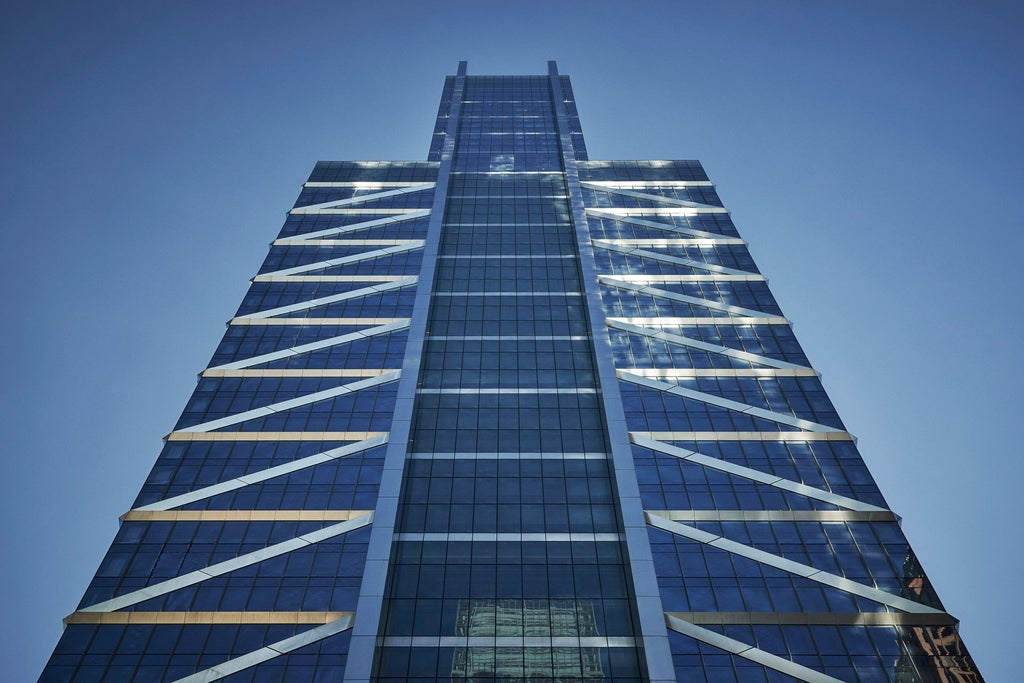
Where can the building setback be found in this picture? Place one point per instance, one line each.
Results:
(509, 413)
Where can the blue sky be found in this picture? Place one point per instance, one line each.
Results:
(870, 153)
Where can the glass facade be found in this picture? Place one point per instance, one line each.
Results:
(509, 414)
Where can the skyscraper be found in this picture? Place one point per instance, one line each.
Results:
(509, 413)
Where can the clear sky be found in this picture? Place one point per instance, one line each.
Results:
(870, 153)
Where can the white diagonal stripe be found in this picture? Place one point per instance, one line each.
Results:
(682, 298)
(314, 346)
(314, 208)
(728, 404)
(711, 237)
(613, 245)
(282, 406)
(741, 649)
(281, 647)
(670, 338)
(264, 475)
(309, 238)
(335, 298)
(407, 245)
(795, 568)
(752, 474)
(704, 208)
(185, 580)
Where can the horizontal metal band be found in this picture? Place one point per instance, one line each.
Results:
(510, 390)
(824, 516)
(680, 340)
(272, 436)
(360, 199)
(358, 335)
(327, 278)
(203, 617)
(741, 649)
(725, 403)
(228, 566)
(313, 238)
(509, 456)
(700, 277)
(752, 474)
(641, 184)
(549, 537)
(316, 321)
(488, 642)
(687, 373)
(731, 321)
(300, 372)
(283, 406)
(611, 245)
(816, 618)
(462, 294)
(270, 473)
(658, 293)
(360, 212)
(506, 337)
(398, 247)
(336, 298)
(712, 237)
(796, 568)
(241, 515)
(747, 436)
(281, 647)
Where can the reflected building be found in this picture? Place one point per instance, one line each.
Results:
(509, 413)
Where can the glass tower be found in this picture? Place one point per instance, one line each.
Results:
(509, 414)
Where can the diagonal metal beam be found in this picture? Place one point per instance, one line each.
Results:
(309, 238)
(728, 404)
(680, 340)
(264, 654)
(795, 568)
(752, 474)
(282, 406)
(228, 566)
(264, 475)
(613, 245)
(704, 208)
(681, 298)
(337, 203)
(335, 298)
(711, 237)
(315, 346)
(406, 245)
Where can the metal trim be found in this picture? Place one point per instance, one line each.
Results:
(611, 245)
(281, 647)
(310, 238)
(747, 436)
(823, 516)
(711, 237)
(670, 338)
(741, 649)
(816, 618)
(272, 436)
(726, 403)
(203, 617)
(314, 346)
(335, 298)
(647, 597)
(282, 406)
(796, 568)
(264, 475)
(228, 566)
(317, 208)
(241, 515)
(754, 475)
(682, 298)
